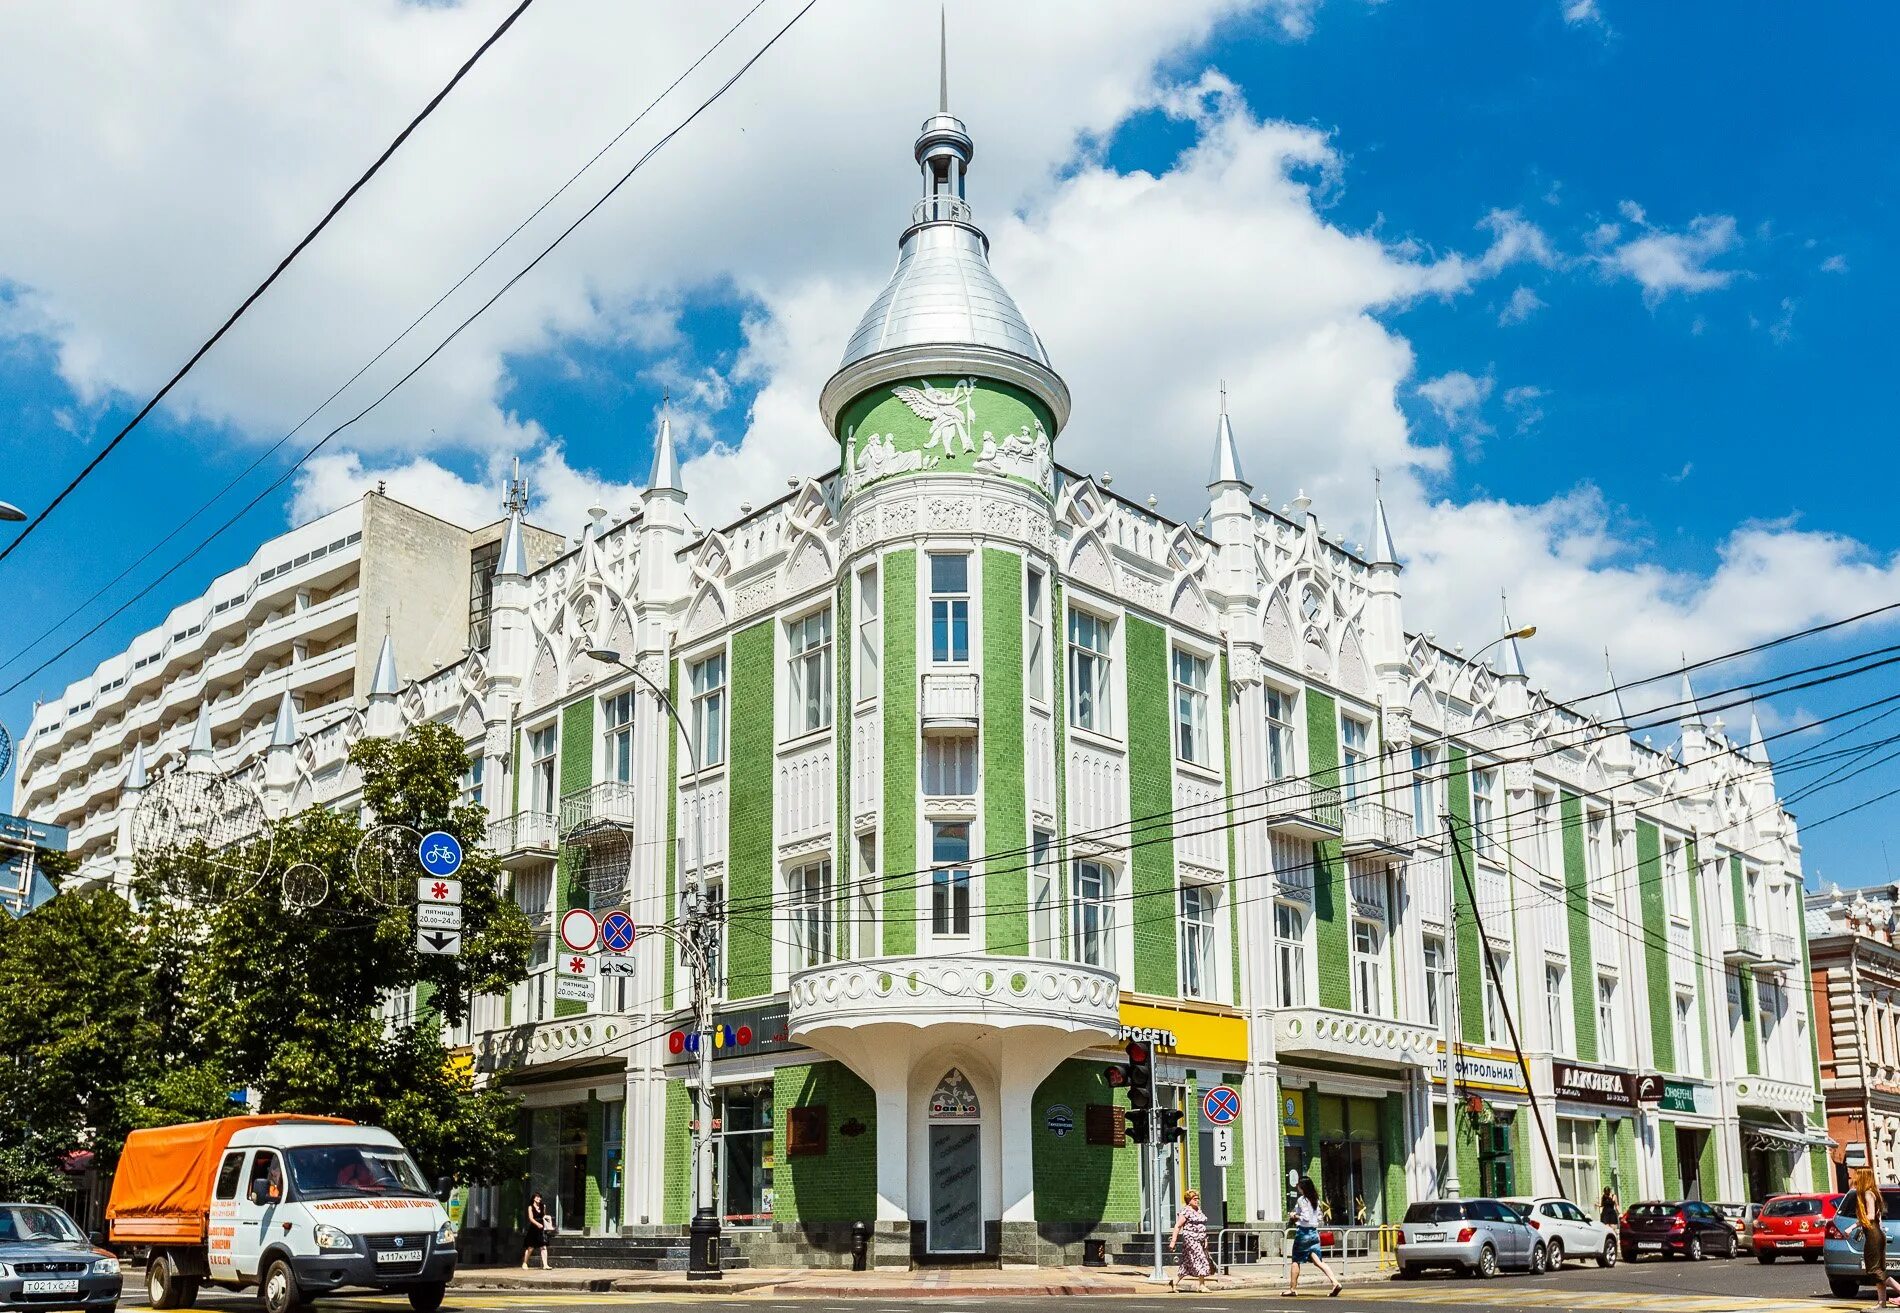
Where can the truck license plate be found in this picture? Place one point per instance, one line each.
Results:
(49, 1287)
(399, 1256)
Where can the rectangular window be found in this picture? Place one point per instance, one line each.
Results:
(1197, 941)
(1424, 791)
(707, 684)
(1280, 740)
(864, 913)
(1484, 812)
(1676, 878)
(808, 642)
(1035, 638)
(543, 786)
(1368, 968)
(1597, 859)
(1434, 977)
(870, 634)
(1089, 639)
(1688, 1062)
(716, 947)
(472, 792)
(808, 894)
(1577, 1158)
(1557, 1007)
(1606, 1019)
(1191, 737)
(1496, 1029)
(1092, 915)
(950, 766)
(1546, 847)
(1289, 952)
(949, 608)
(950, 878)
(1355, 756)
(1045, 938)
(616, 714)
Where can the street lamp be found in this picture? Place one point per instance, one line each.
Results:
(703, 1251)
(1450, 1023)
(8, 511)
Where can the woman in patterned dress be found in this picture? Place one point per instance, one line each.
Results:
(1190, 1231)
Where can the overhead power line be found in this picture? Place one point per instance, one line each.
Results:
(265, 286)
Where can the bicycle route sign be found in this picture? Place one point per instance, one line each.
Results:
(440, 853)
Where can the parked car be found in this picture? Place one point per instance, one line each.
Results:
(1568, 1231)
(46, 1261)
(1793, 1224)
(1840, 1242)
(1687, 1227)
(1741, 1218)
(1478, 1236)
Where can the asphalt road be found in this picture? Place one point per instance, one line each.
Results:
(1655, 1286)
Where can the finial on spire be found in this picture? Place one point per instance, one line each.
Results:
(1614, 692)
(1383, 552)
(1691, 713)
(514, 499)
(666, 462)
(1510, 661)
(1226, 466)
(943, 60)
(385, 683)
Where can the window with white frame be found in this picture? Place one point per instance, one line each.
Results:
(864, 910)
(1289, 953)
(471, 791)
(706, 684)
(543, 781)
(870, 634)
(1546, 839)
(1197, 941)
(1355, 756)
(949, 608)
(1598, 859)
(1090, 639)
(1035, 637)
(1497, 1029)
(1577, 1157)
(1676, 878)
(950, 878)
(1770, 1004)
(1557, 1007)
(1484, 812)
(1092, 914)
(1607, 1020)
(808, 647)
(1688, 1052)
(1751, 904)
(715, 887)
(1044, 897)
(1281, 761)
(1434, 977)
(616, 736)
(1368, 968)
(534, 895)
(1425, 782)
(1192, 739)
(950, 765)
(808, 898)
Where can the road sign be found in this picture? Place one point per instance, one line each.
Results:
(572, 987)
(618, 964)
(433, 889)
(439, 916)
(1221, 1104)
(617, 932)
(1223, 1146)
(446, 943)
(579, 930)
(441, 853)
(577, 964)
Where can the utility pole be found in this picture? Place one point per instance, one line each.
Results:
(1160, 1272)
(1450, 1025)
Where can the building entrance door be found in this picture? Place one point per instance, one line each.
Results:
(956, 1167)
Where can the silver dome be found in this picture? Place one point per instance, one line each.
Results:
(943, 292)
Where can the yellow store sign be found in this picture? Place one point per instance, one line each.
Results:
(1187, 1032)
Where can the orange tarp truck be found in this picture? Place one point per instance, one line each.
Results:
(161, 1194)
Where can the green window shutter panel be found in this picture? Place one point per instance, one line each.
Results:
(1005, 767)
(1656, 953)
(1332, 918)
(900, 752)
(1577, 895)
(1151, 794)
(577, 774)
(1703, 1006)
(751, 886)
(1470, 946)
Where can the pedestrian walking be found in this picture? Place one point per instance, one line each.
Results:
(1607, 1211)
(540, 1227)
(1869, 1209)
(1190, 1232)
(1306, 1239)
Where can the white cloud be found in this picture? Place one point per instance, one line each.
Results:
(1661, 261)
(1526, 404)
(1834, 264)
(1458, 398)
(1523, 304)
(1582, 12)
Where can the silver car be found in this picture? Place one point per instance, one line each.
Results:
(1568, 1231)
(46, 1262)
(1841, 1242)
(1478, 1236)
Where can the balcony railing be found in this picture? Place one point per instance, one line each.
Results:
(1743, 943)
(1298, 807)
(1374, 827)
(1332, 1033)
(950, 699)
(525, 834)
(611, 802)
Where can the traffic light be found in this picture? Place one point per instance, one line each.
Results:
(1171, 1129)
(1135, 1125)
(1115, 1077)
(1139, 1075)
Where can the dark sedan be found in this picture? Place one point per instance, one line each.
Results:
(1687, 1227)
(46, 1262)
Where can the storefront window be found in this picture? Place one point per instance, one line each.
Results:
(613, 1122)
(1577, 1157)
(745, 1154)
(1337, 1140)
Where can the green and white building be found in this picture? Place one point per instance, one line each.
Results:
(993, 768)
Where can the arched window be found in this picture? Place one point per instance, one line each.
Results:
(954, 1099)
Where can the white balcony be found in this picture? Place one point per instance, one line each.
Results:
(553, 1044)
(1775, 1095)
(1374, 828)
(1331, 1033)
(950, 701)
(523, 837)
(1742, 943)
(921, 993)
(1779, 950)
(611, 802)
(1296, 807)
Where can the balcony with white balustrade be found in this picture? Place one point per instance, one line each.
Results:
(611, 802)
(950, 699)
(524, 838)
(1372, 829)
(1351, 1036)
(1296, 807)
(1773, 1095)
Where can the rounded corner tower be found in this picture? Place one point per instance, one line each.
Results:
(943, 375)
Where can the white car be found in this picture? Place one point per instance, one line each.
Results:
(1567, 1230)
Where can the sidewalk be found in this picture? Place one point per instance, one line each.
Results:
(833, 1283)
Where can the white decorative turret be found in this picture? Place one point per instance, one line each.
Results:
(200, 756)
(1509, 661)
(280, 758)
(1689, 712)
(383, 720)
(137, 780)
(1757, 746)
(137, 777)
(1230, 524)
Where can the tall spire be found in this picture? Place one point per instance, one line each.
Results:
(1615, 694)
(1383, 552)
(385, 683)
(1509, 662)
(666, 462)
(199, 755)
(1757, 745)
(1689, 713)
(284, 733)
(943, 61)
(1226, 466)
(136, 775)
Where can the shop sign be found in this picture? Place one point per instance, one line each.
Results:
(1060, 1120)
(1187, 1032)
(739, 1033)
(1675, 1095)
(1582, 1083)
(1293, 1115)
(1480, 1069)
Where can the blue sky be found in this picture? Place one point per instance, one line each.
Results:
(1599, 287)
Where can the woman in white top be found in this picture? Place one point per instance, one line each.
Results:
(1306, 1239)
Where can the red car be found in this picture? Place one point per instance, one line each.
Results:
(1793, 1224)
